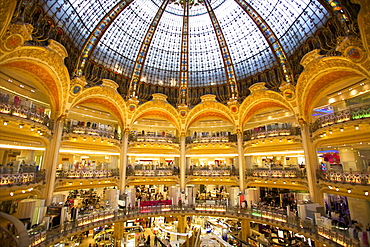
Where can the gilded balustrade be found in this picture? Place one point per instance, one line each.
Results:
(280, 173)
(340, 117)
(269, 215)
(87, 173)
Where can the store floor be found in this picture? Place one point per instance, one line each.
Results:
(90, 240)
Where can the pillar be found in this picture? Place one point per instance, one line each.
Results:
(311, 162)
(51, 163)
(241, 162)
(245, 229)
(123, 162)
(181, 224)
(118, 233)
(182, 162)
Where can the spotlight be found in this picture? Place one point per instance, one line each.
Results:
(32, 128)
(21, 126)
(349, 191)
(5, 123)
(366, 193)
(341, 129)
(11, 193)
(357, 127)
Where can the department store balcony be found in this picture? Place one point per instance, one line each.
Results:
(276, 216)
(87, 174)
(153, 138)
(212, 171)
(275, 133)
(22, 113)
(211, 139)
(9, 176)
(285, 173)
(90, 132)
(147, 171)
(340, 117)
(352, 177)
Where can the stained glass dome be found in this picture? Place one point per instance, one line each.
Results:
(188, 43)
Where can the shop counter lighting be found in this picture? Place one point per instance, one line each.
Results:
(213, 209)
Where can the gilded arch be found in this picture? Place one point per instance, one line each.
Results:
(209, 109)
(159, 108)
(259, 100)
(106, 97)
(46, 66)
(321, 74)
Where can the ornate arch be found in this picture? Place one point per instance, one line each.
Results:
(46, 67)
(159, 108)
(260, 99)
(209, 108)
(104, 96)
(322, 74)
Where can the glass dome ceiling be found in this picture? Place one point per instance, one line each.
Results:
(221, 34)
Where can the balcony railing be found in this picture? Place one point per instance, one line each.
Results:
(152, 172)
(211, 139)
(92, 132)
(274, 216)
(362, 178)
(275, 173)
(7, 177)
(214, 172)
(153, 138)
(281, 132)
(25, 113)
(340, 117)
(87, 173)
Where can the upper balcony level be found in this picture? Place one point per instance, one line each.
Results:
(11, 176)
(89, 129)
(339, 117)
(268, 132)
(12, 106)
(153, 137)
(274, 217)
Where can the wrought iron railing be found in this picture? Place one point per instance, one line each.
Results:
(211, 139)
(92, 132)
(362, 178)
(21, 178)
(24, 112)
(152, 172)
(269, 215)
(214, 172)
(153, 138)
(106, 173)
(340, 117)
(280, 132)
(275, 173)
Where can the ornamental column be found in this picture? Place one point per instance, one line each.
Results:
(241, 162)
(52, 154)
(182, 162)
(123, 161)
(245, 229)
(310, 160)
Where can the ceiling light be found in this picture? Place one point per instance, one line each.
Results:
(32, 128)
(349, 191)
(21, 126)
(11, 193)
(341, 129)
(366, 193)
(5, 122)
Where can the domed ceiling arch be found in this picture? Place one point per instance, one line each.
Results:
(219, 41)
